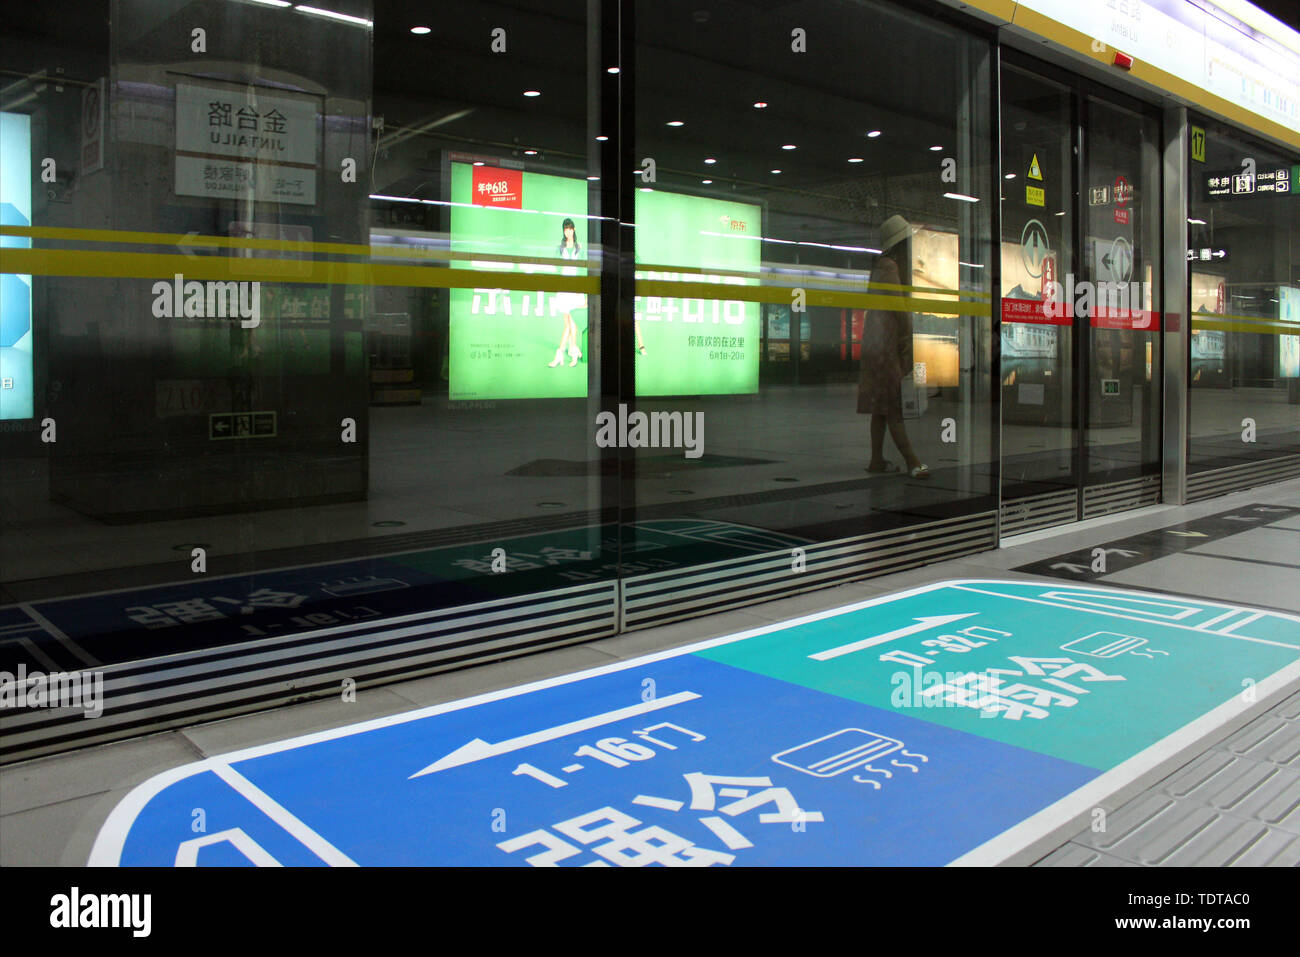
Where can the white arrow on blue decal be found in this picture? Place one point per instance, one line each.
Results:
(925, 624)
(478, 749)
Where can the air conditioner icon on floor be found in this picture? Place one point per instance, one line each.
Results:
(845, 750)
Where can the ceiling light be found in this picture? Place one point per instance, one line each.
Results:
(676, 123)
(601, 139)
(612, 69)
(962, 196)
(760, 105)
(275, 3)
(775, 171)
(855, 159)
(873, 134)
(479, 163)
(789, 146)
(346, 18)
(418, 31)
(532, 92)
(530, 152)
(1010, 176)
(1197, 222)
(592, 179)
(709, 161)
(706, 182)
(935, 149)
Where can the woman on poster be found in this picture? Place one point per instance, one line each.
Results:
(567, 302)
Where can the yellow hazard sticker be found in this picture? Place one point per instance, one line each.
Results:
(1035, 171)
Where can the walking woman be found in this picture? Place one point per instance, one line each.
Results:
(567, 302)
(887, 352)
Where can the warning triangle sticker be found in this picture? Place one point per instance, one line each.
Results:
(1035, 171)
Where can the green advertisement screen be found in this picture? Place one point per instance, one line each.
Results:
(510, 343)
(515, 344)
(696, 346)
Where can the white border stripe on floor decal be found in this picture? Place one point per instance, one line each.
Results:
(281, 815)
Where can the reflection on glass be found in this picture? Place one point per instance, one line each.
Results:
(1122, 433)
(1037, 258)
(767, 286)
(1243, 383)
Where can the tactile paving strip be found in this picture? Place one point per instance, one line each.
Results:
(1236, 805)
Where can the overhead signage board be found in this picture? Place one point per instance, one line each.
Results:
(915, 729)
(238, 141)
(1246, 67)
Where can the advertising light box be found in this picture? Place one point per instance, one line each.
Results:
(515, 343)
(697, 346)
(518, 344)
(15, 291)
(1288, 345)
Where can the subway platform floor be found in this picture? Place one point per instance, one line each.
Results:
(1216, 780)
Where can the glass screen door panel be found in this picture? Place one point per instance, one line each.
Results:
(1039, 415)
(1117, 296)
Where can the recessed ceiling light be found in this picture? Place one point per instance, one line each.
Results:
(855, 159)
(419, 31)
(612, 69)
(789, 146)
(709, 161)
(873, 134)
(760, 105)
(592, 179)
(532, 92)
(935, 149)
(676, 123)
(530, 152)
(775, 171)
(601, 139)
(706, 182)
(1010, 176)
(479, 163)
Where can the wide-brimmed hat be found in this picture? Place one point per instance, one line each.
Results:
(893, 231)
